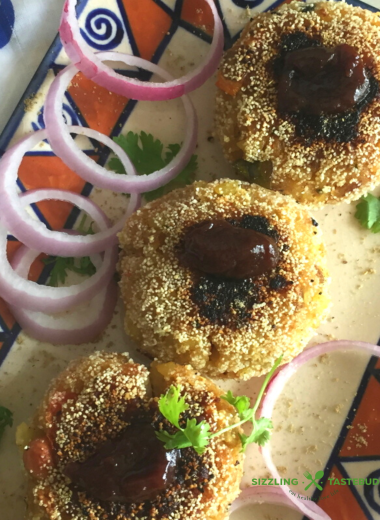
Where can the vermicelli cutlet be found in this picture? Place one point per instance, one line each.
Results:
(298, 106)
(94, 454)
(224, 310)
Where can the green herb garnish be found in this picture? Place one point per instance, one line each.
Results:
(6, 419)
(368, 213)
(147, 155)
(309, 8)
(61, 265)
(197, 435)
(256, 172)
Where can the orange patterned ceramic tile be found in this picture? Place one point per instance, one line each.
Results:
(339, 501)
(149, 24)
(100, 108)
(196, 13)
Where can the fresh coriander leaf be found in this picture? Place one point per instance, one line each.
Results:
(245, 440)
(171, 405)
(151, 154)
(129, 143)
(241, 403)
(247, 415)
(368, 213)
(173, 441)
(229, 397)
(194, 434)
(184, 178)
(116, 165)
(146, 154)
(260, 433)
(6, 419)
(85, 266)
(61, 265)
(172, 151)
(144, 151)
(376, 227)
(261, 427)
(82, 229)
(58, 274)
(198, 434)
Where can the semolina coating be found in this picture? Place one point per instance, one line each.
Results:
(330, 158)
(100, 388)
(223, 328)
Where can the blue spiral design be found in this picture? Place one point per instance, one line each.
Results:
(369, 491)
(103, 30)
(247, 3)
(7, 22)
(68, 113)
(70, 116)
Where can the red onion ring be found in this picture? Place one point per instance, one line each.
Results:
(267, 495)
(274, 391)
(62, 143)
(15, 289)
(81, 54)
(34, 233)
(76, 327)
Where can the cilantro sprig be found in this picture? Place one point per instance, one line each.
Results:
(148, 155)
(368, 213)
(172, 405)
(197, 435)
(61, 265)
(6, 419)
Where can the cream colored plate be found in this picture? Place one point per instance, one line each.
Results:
(311, 412)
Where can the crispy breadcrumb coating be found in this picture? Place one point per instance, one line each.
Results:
(329, 168)
(98, 391)
(222, 328)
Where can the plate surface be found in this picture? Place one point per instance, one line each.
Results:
(328, 417)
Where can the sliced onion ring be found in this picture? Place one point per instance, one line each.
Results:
(78, 326)
(273, 393)
(81, 54)
(35, 234)
(62, 143)
(15, 289)
(268, 495)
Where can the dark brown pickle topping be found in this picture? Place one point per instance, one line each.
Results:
(221, 249)
(131, 468)
(318, 80)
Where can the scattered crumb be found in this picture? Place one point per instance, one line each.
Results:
(31, 101)
(324, 359)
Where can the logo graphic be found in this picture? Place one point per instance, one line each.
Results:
(314, 480)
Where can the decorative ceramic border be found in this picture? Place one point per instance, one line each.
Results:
(351, 502)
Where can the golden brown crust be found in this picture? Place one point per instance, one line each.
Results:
(250, 128)
(117, 381)
(161, 315)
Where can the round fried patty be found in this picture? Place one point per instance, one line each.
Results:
(89, 405)
(222, 327)
(317, 158)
